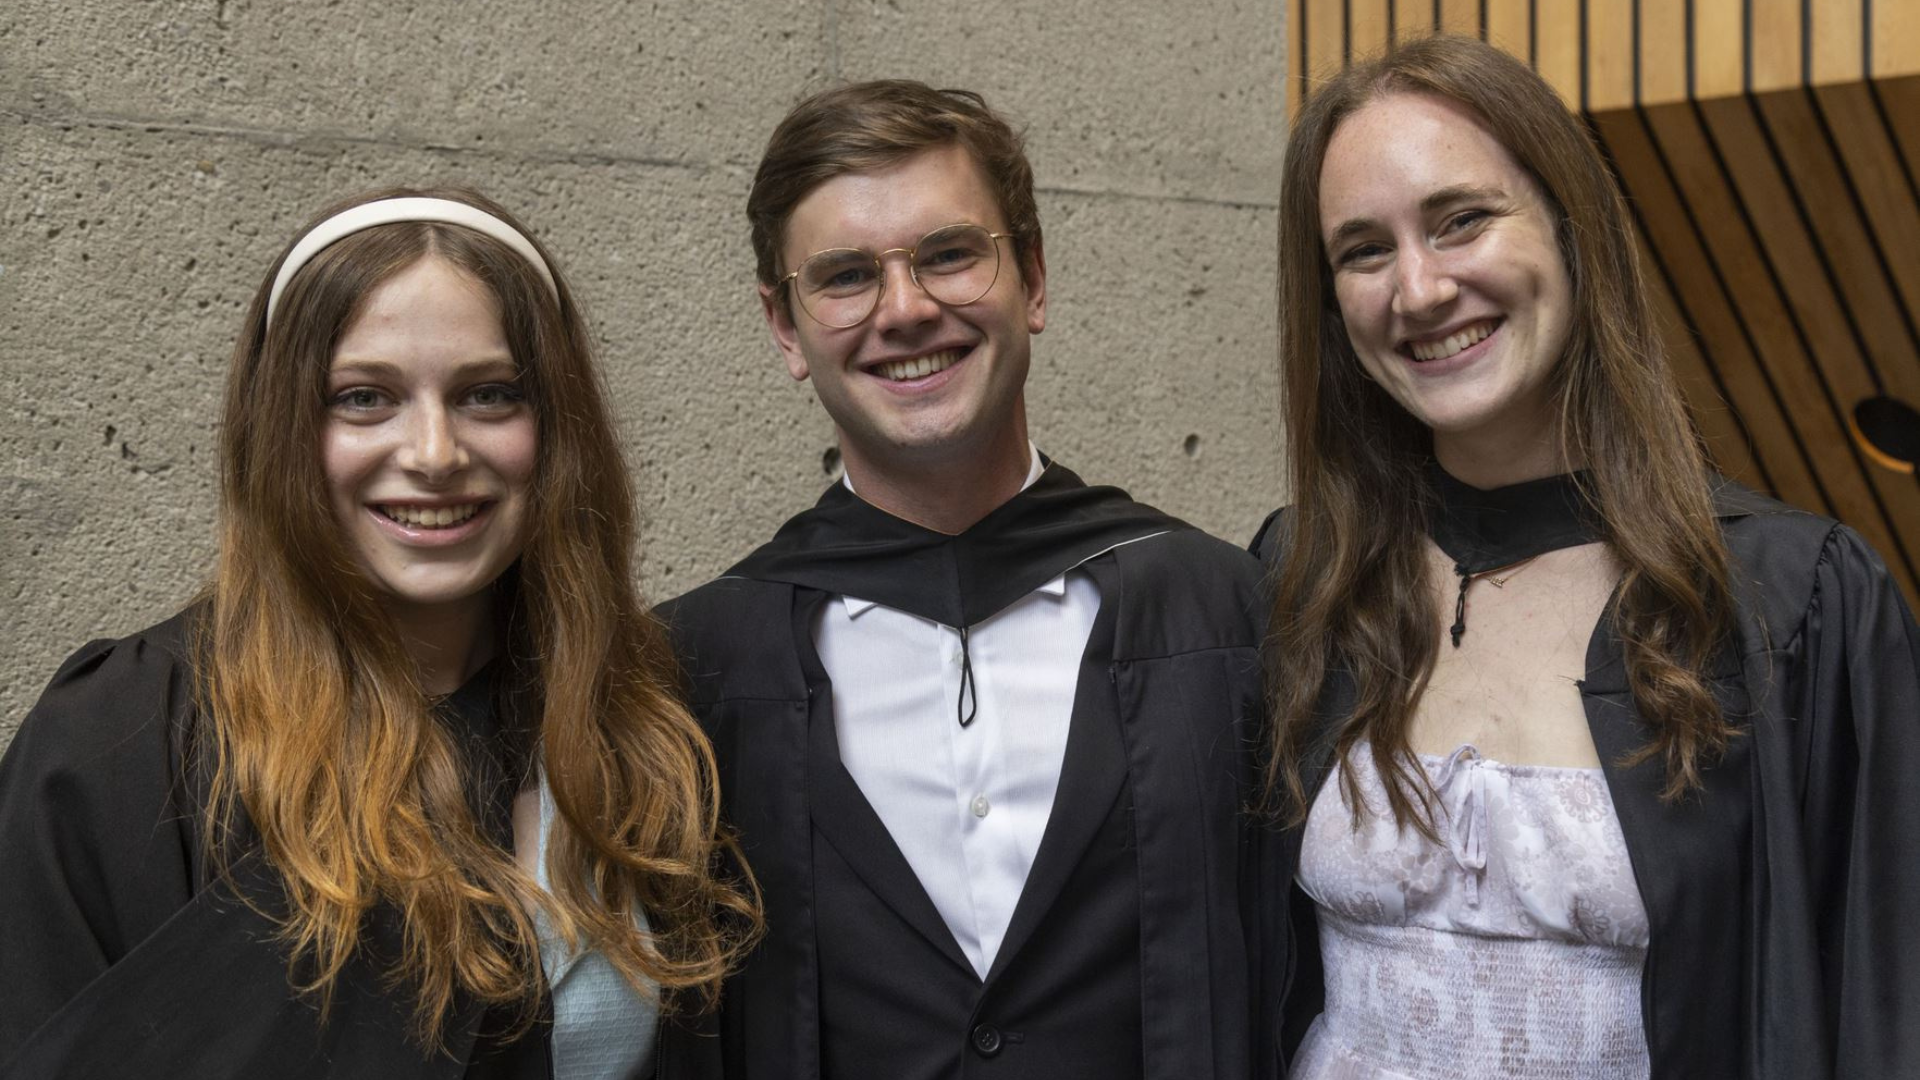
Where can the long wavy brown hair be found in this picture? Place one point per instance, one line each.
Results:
(1352, 596)
(321, 744)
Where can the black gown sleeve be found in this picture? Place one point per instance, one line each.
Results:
(94, 837)
(1860, 691)
(121, 956)
(1267, 538)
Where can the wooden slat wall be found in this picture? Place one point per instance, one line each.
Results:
(1716, 48)
(1510, 26)
(1774, 60)
(1732, 185)
(1663, 63)
(1411, 20)
(1894, 44)
(1371, 27)
(1838, 36)
(1770, 150)
(1703, 44)
(1611, 58)
(1556, 46)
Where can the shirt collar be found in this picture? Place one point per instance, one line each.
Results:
(856, 607)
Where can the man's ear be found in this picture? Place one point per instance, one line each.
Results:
(1033, 278)
(786, 337)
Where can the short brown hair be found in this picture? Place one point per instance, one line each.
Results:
(870, 125)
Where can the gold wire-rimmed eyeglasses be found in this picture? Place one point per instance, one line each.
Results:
(954, 264)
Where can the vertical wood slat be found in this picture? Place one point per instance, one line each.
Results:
(1412, 19)
(1896, 38)
(1557, 47)
(1326, 40)
(1689, 269)
(1460, 17)
(1663, 54)
(1296, 59)
(1510, 26)
(1774, 57)
(1368, 19)
(1719, 48)
(1610, 49)
(1838, 51)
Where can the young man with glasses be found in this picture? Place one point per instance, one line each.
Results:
(982, 728)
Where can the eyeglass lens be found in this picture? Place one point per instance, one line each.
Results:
(956, 265)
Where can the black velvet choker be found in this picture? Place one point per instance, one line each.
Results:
(1487, 531)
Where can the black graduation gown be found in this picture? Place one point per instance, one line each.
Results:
(1781, 898)
(119, 956)
(1167, 701)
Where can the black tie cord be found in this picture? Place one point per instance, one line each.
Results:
(1489, 532)
(1460, 605)
(968, 705)
(1468, 577)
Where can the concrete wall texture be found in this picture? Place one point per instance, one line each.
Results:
(155, 155)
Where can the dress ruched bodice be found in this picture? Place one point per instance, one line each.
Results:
(1511, 948)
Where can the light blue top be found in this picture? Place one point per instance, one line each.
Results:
(602, 1029)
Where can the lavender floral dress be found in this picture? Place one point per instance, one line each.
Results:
(1513, 949)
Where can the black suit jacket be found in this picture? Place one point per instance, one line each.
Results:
(1158, 769)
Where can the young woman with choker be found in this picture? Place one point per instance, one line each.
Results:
(1586, 762)
(406, 792)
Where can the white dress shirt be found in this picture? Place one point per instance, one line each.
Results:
(967, 806)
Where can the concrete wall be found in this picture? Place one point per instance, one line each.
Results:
(154, 156)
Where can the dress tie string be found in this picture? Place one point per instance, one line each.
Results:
(1466, 805)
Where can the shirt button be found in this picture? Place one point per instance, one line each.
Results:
(986, 1040)
(981, 806)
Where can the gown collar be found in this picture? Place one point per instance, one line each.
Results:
(1486, 530)
(848, 547)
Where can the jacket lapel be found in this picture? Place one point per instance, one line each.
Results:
(844, 818)
(1092, 775)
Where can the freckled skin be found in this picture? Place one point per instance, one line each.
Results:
(1418, 270)
(1421, 267)
(1512, 687)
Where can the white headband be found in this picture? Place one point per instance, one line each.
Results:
(386, 212)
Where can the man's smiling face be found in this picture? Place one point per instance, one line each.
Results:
(917, 383)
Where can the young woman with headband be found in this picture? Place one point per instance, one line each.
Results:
(406, 791)
(1593, 764)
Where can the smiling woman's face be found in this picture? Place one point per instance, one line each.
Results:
(429, 447)
(1446, 269)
